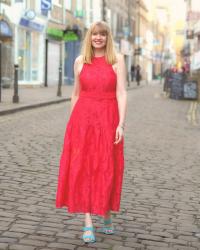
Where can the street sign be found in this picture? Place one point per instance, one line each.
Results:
(190, 90)
(45, 5)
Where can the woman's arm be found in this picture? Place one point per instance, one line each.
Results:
(121, 96)
(76, 90)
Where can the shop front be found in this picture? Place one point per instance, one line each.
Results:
(126, 50)
(30, 52)
(62, 47)
(54, 48)
(6, 52)
(72, 50)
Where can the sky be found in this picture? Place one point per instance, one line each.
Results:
(177, 7)
(176, 22)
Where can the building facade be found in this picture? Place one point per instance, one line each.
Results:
(28, 34)
(46, 35)
(191, 52)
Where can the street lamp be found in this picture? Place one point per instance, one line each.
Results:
(138, 28)
(0, 70)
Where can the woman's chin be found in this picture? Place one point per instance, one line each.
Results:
(98, 46)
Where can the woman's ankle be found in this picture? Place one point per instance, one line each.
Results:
(107, 216)
(88, 220)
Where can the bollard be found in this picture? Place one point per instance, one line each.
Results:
(0, 69)
(59, 93)
(46, 64)
(15, 96)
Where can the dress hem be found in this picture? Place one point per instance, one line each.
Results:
(76, 211)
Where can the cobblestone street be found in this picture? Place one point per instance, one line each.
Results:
(160, 207)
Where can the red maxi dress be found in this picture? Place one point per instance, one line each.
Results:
(91, 165)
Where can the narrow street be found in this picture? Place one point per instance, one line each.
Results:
(160, 207)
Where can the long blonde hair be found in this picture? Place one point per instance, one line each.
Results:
(87, 50)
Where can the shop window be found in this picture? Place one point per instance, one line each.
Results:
(28, 55)
(34, 52)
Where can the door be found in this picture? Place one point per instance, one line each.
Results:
(53, 63)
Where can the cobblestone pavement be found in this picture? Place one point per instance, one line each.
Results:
(161, 192)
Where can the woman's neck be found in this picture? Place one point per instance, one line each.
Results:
(99, 53)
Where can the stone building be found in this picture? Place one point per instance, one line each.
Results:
(121, 16)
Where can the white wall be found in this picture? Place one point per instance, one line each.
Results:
(13, 12)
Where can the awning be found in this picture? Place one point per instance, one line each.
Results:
(70, 36)
(55, 33)
(61, 35)
(5, 29)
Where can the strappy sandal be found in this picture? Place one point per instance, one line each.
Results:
(108, 229)
(90, 238)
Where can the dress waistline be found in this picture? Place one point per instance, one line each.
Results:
(98, 96)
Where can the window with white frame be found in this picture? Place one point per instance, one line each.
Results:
(68, 4)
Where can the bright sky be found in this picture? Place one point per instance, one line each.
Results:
(177, 7)
(176, 21)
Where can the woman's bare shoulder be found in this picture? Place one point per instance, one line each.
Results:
(79, 59)
(120, 57)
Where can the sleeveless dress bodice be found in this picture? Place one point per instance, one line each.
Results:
(98, 77)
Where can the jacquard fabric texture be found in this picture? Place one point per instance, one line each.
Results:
(91, 165)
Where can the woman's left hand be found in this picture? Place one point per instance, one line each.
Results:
(119, 134)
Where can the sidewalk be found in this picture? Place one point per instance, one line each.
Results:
(34, 97)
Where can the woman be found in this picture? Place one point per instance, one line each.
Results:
(92, 162)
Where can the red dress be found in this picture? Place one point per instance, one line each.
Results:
(91, 165)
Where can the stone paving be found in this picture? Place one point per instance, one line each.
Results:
(32, 97)
(161, 193)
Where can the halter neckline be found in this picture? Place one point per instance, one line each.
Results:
(98, 56)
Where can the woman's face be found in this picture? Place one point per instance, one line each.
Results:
(99, 39)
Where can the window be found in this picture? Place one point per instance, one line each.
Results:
(58, 2)
(28, 55)
(68, 4)
(30, 4)
(6, 2)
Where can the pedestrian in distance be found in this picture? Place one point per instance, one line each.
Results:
(138, 74)
(132, 72)
(92, 159)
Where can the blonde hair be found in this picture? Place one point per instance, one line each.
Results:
(87, 50)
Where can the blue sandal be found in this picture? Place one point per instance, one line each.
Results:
(106, 229)
(91, 237)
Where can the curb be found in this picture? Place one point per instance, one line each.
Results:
(32, 106)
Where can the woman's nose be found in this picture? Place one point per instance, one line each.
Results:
(98, 35)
